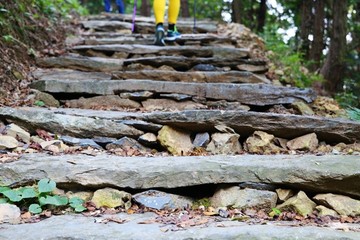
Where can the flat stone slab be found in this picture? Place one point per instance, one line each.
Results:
(90, 228)
(253, 94)
(68, 74)
(76, 126)
(325, 174)
(188, 51)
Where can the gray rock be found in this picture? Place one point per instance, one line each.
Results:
(300, 203)
(177, 97)
(83, 142)
(142, 125)
(103, 141)
(8, 142)
(308, 172)
(137, 95)
(201, 140)
(169, 104)
(161, 200)
(308, 142)
(17, 132)
(254, 94)
(148, 139)
(244, 198)
(126, 142)
(92, 229)
(9, 213)
(83, 127)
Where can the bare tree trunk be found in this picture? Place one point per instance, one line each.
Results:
(185, 12)
(306, 27)
(334, 66)
(145, 9)
(317, 45)
(236, 11)
(261, 16)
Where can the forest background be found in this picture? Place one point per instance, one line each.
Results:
(313, 43)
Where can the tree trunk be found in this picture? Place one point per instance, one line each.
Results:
(236, 11)
(334, 66)
(185, 12)
(317, 45)
(145, 9)
(261, 16)
(306, 27)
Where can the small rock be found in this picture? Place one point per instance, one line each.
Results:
(324, 211)
(224, 143)
(303, 108)
(111, 101)
(8, 142)
(257, 186)
(138, 96)
(47, 98)
(17, 132)
(243, 198)
(161, 200)
(343, 205)
(223, 104)
(204, 68)
(103, 141)
(261, 143)
(126, 142)
(308, 142)
(299, 203)
(284, 194)
(175, 141)
(176, 96)
(46, 144)
(201, 140)
(148, 139)
(168, 104)
(111, 198)
(82, 142)
(36, 139)
(9, 213)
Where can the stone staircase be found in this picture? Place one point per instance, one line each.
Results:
(112, 84)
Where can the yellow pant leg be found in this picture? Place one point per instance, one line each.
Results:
(174, 9)
(159, 10)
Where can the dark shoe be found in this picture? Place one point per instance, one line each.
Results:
(159, 36)
(172, 35)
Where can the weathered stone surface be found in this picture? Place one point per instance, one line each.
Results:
(148, 139)
(307, 142)
(225, 105)
(142, 125)
(83, 142)
(224, 143)
(126, 143)
(8, 142)
(254, 94)
(69, 74)
(110, 101)
(261, 143)
(343, 205)
(131, 229)
(175, 141)
(299, 203)
(9, 213)
(168, 104)
(251, 68)
(82, 63)
(324, 211)
(137, 95)
(86, 196)
(328, 173)
(162, 200)
(243, 198)
(303, 108)
(17, 132)
(83, 127)
(188, 51)
(245, 123)
(109, 197)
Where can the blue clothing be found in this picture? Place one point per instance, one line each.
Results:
(119, 4)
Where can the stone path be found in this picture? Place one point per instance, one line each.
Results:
(113, 83)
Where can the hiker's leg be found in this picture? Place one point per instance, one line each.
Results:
(107, 5)
(120, 5)
(159, 10)
(174, 9)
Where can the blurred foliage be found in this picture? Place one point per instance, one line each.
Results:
(354, 113)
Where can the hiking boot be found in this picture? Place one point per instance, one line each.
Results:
(159, 36)
(172, 35)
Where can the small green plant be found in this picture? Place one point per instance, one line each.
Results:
(39, 103)
(275, 212)
(354, 113)
(202, 202)
(38, 197)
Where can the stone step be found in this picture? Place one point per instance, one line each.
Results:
(103, 38)
(230, 54)
(91, 228)
(253, 94)
(180, 63)
(328, 173)
(160, 75)
(102, 123)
